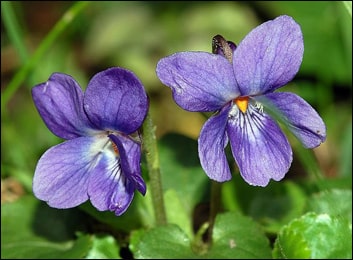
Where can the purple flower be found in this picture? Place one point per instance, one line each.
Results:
(239, 83)
(100, 159)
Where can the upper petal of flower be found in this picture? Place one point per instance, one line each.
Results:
(259, 147)
(200, 81)
(211, 144)
(269, 56)
(301, 118)
(60, 103)
(61, 175)
(112, 183)
(115, 99)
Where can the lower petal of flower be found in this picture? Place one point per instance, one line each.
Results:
(108, 188)
(62, 173)
(259, 147)
(116, 176)
(211, 143)
(130, 153)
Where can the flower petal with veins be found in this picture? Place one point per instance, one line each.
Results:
(259, 147)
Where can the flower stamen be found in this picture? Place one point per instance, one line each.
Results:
(242, 103)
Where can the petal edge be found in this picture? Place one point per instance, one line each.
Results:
(211, 145)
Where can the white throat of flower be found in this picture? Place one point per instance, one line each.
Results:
(244, 107)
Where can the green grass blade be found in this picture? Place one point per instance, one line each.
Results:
(21, 75)
(13, 29)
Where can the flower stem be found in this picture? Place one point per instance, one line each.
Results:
(214, 207)
(152, 159)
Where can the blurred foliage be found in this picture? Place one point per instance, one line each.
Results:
(135, 35)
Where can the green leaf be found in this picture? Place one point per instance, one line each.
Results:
(345, 162)
(235, 236)
(137, 215)
(318, 236)
(163, 242)
(30, 229)
(176, 213)
(181, 169)
(334, 202)
(135, 237)
(238, 237)
(104, 247)
(294, 246)
(79, 249)
(348, 6)
(273, 205)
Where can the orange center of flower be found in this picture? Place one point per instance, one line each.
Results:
(116, 150)
(242, 103)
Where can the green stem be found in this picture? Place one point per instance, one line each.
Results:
(215, 203)
(59, 27)
(151, 151)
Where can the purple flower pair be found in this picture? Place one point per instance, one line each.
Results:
(100, 159)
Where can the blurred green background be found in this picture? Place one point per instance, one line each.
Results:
(135, 35)
(83, 38)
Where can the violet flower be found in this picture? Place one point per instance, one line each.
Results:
(238, 83)
(100, 160)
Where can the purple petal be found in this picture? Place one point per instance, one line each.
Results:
(113, 181)
(108, 188)
(122, 197)
(269, 56)
(130, 154)
(61, 175)
(211, 143)
(200, 81)
(302, 120)
(115, 99)
(259, 147)
(60, 103)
